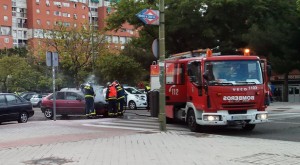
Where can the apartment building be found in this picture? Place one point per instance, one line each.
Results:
(23, 22)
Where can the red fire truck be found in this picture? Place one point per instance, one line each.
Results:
(207, 89)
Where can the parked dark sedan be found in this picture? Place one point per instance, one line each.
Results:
(14, 108)
(69, 103)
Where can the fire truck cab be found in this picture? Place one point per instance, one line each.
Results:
(204, 89)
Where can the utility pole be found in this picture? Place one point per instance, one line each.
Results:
(162, 98)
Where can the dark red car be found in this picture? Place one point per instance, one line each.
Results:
(69, 103)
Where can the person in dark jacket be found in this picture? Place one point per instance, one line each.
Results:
(120, 97)
(89, 99)
(111, 98)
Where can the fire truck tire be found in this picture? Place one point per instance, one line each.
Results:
(248, 127)
(191, 121)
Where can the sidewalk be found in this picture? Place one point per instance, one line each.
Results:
(163, 148)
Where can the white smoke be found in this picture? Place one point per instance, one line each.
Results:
(98, 89)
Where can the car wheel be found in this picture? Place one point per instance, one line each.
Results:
(132, 105)
(48, 113)
(23, 117)
(248, 127)
(191, 121)
(39, 105)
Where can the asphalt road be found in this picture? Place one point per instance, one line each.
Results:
(282, 126)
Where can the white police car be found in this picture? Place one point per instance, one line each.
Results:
(135, 98)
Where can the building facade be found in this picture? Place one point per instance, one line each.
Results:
(23, 22)
(277, 81)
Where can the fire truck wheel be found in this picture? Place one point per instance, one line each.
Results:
(191, 121)
(248, 127)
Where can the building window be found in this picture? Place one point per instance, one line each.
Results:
(48, 23)
(66, 4)
(83, 16)
(108, 39)
(38, 11)
(5, 31)
(67, 24)
(5, 18)
(57, 13)
(75, 25)
(6, 40)
(38, 21)
(14, 34)
(37, 1)
(115, 39)
(122, 40)
(4, 7)
(48, 12)
(129, 31)
(65, 14)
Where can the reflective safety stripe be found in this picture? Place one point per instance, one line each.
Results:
(122, 97)
(88, 96)
(112, 98)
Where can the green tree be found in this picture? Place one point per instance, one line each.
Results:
(19, 51)
(17, 75)
(77, 49)
(270, 28)
(112, 67)
(276, 35)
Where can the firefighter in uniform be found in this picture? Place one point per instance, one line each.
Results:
(89, 99)
(111, 98)
(120, 98)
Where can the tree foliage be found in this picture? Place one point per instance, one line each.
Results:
(270, 27)
(17, 75)
(112, 67)
(77, 49)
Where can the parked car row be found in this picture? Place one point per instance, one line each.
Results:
(69, 101)
(14, 108)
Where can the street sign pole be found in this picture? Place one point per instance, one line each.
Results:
(54, 95)
(162, 99)
(155, 17)
(52, 60)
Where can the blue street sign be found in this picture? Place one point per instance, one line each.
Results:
(149, 16)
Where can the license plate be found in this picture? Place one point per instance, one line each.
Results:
(243, 117)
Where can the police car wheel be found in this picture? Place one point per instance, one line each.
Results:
(132, 105)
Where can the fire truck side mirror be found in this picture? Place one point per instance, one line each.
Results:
(269, 70)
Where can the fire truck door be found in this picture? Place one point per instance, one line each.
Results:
(195, 86)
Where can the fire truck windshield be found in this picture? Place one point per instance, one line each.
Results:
(235, 72)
